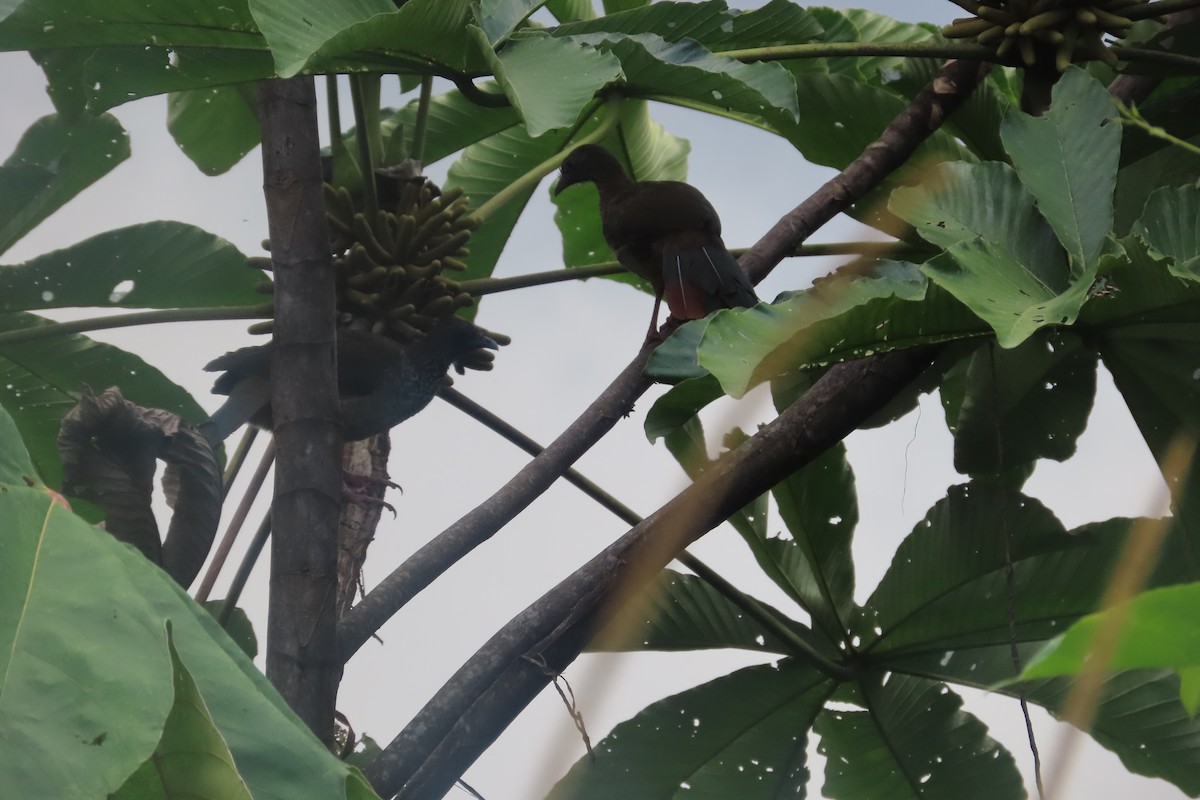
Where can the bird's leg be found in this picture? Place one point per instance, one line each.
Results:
(653, 335)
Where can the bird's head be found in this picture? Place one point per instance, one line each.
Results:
(588, 163)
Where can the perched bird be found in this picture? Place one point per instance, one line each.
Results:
(381, 382)
(664, 231)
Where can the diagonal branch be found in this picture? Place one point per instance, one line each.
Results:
(494, 685)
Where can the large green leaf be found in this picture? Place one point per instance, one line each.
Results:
(741, 735)
(711, 23)
(191, 760)
(310, 34)
(44, 24)
(946, 587)
(1152, 630)
(102, 78)
(499, 18)
(1002, 258)
(1139, 717)
(812, 562)
(488, 167)
(215, 127)
(1145, 327)
(683, 612)
(151, 265)
(1067, 158)
(55, 160)
(913, 741)
(1168, 223)
(105, 699)
(1023, 404)
(684, 68)
(550, 100)
(16, 468)
(842, 317)
(39, 381)
(452, 123)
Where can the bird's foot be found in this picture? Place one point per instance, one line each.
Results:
(357, 489)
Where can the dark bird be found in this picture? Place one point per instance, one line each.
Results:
(381, 382)
(664, 231)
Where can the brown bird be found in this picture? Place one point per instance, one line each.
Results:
(664, 231)
(381, 382)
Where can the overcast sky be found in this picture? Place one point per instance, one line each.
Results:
(569, 341)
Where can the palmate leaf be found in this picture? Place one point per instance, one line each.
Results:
(1019, 405)
(1067, 158)
(101, 78)
(1140, 717)
(149, 265)
(452, 124)
(107, 698)
(191, 759)
(489, 166)
(913, 741)
(499, 18)
(842, 317)
(684, 68)
(742, 735)
(1151, 631)
(1168, 224)
(215, 127)
(920, 614)
(55, 160)
(47, 24)
(812, 561)
(311, 35)
(547, 103)
(682, 612)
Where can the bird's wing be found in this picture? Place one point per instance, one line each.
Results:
(649, 211)
(362, 357)
(701, 276)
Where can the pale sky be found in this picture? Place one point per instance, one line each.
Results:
(569, 341)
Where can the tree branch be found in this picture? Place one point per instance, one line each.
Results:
(494, 685)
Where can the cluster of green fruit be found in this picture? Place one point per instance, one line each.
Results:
(1035, 29)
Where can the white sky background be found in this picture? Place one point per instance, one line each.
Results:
(569, 341)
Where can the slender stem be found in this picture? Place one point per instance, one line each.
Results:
(535, 175)
(1131, 116)
(362, 138)
(482, 286)
(238, 459)
(244, 569)
(1158, 9)
(929, 49)
(333, 113)
(235, 524)
(417, 153)
(753, 607)
(1189, 63)
(134, 318)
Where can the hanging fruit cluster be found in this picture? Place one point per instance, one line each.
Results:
(1027, 31)
(390, 266)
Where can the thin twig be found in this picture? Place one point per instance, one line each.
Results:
(235, 523)
(417, 151)
(52, 329)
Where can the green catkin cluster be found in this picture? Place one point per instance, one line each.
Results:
(1024, 31)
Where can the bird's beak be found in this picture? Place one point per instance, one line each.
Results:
(563, 182)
